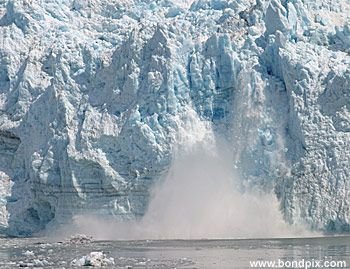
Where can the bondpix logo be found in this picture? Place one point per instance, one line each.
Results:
(305, 264)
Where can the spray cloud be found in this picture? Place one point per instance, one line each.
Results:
(198, 198)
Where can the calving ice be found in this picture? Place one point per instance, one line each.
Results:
(98, 100)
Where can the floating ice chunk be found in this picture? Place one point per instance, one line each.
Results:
(38, 262)
(80, 239)
(29, 253)
(26, 264)
(96, 259)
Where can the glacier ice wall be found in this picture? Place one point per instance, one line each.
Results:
(93, 93)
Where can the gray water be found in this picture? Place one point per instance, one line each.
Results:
(174, 253)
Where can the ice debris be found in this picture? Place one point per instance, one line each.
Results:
(80, 239)
(29, 253)
(96, 259)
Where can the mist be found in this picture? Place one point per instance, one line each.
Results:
(198, 199)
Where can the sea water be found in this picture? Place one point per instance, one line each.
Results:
(230, 253)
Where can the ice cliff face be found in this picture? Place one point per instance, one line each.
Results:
(93, 93)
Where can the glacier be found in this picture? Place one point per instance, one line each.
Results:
(93, 94)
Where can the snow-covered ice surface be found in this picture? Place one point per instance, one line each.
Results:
(93, 95)
(184, 254)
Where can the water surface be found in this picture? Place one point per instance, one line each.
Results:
(174, 253)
